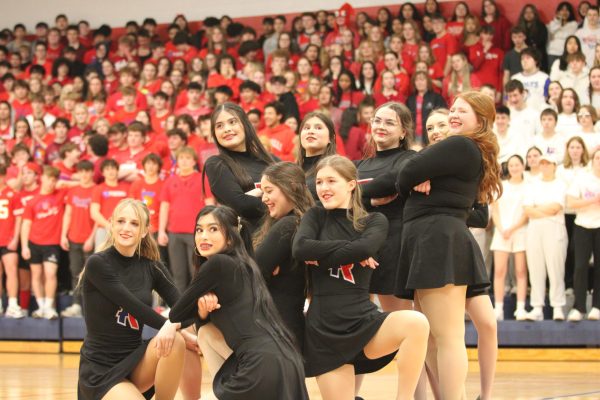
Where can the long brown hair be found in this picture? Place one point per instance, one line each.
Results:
(291, 180)
(490, 186)
(585, 158)
(331, 147)
(347, 170)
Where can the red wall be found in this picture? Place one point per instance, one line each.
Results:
(508, 7)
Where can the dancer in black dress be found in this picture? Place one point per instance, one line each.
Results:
(234, 172)
(117, 285)
(345, 333)
(478, 302)
(439, 256)
(391, 133)
(317, 140)
(264, 363)
(287, 199)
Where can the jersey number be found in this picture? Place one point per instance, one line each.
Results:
(124, 318)
(3, 209)
(346, 272)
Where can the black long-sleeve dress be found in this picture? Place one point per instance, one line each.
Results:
(307, 166)
(261, 367)
(226, 189)
(117, 299)
(287, 287)
(437, 247)
(381, 168)
(341, 319)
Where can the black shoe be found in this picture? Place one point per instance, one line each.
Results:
(358, 398)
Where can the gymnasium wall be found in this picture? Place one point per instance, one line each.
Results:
(117, 12)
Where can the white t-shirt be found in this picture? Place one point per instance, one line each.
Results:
(510, 205)
(568, 176)
(589, 38)
(580, 83)
(511, 144)
(567, 124)
(526, 122)
(540, 192)
(586, 186)
(537, 87)
(554, 146)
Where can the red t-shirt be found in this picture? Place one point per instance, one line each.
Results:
(443, 47)
(82, 224)
(21, 109)
(9, 206)
(184, 195)
(281, 140)
(128, 161)
(409, 56)
(149, 193)
(45, 211)
(115, 102)
(487, 66)
(219, 80)
(109, 196)
(159, 124)
(65, 172)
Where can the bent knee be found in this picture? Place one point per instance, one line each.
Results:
(178, 343)
(413, 322)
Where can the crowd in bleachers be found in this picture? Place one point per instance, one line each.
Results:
(88, 117)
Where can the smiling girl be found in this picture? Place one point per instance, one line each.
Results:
(260, 360)
(345, 333)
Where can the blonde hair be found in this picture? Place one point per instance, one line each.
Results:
(146, 246)
(347, 170)
(465, 76)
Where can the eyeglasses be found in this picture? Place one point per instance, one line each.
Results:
(584, 115)
(388, 123)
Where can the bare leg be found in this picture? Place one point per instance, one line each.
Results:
(430, 371)
(337, 384)
(50, 281)
(162, 372)
(123, 390)
(36, 282)
(406, 331)
(358, 380)
(391, 303)
(191, 377)
(482, 314)
(213, 346)
(500, 268)
(10, 261)
(445, 308)
(521, 274)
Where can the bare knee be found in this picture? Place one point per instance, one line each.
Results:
(412, 323)
(487, 327)
(178, 347)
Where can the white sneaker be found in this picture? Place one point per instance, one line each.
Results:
(574, 315)
(558, 314)
(73, 311)
(537, 314)
(594, 314)
(50, 313)
(521, 315)
(39, 313)
(15, 312)
(499, 314)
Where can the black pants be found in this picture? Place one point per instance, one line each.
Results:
(77, 259)
(570, 262)
(587, 242)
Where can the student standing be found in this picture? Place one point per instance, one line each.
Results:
(233, 173)
(40, 241)
(345, 333)
(78, 230)
(436, 269)
(546, 244)
(584, 197)
(391, 131)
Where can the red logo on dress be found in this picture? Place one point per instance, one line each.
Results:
(124, 318)
(346, 272)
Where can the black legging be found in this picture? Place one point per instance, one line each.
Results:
(570, 261)
(587, 242)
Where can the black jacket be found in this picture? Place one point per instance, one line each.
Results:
(431, 101)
